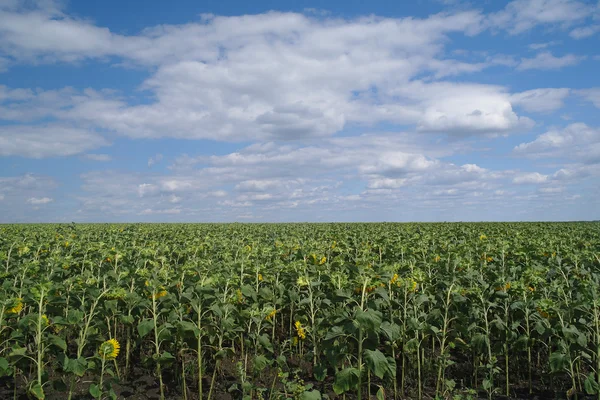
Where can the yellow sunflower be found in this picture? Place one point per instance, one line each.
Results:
(300, 330)
(17, 308)
(109, 350)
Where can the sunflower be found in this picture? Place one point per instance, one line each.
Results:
(300, 330)
(159, 294)
(270, 316)
(17, 308)
(109, 350)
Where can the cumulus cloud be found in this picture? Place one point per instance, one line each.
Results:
(577, 142)
(461, 109)
(530, 178)
(296, 92)
(323, 73)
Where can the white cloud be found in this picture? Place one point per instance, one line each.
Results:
(541, 100)
(46, 141)
(577, 142)
(546, 60)
(530, 178)
(522, 15)
(39, 200)
(592, 95)
(460, 109)
(1, 197)
(323, 74)
(98, 157)
(584, 31)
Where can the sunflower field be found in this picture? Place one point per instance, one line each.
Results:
(300, 311)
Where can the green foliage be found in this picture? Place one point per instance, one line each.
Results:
(301, 310)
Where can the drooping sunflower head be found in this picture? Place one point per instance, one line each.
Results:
(109, 350)
(17, 306)
(161, 293)
(270, 315)
(300, 330)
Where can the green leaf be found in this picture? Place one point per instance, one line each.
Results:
(487, 384)
(558, 362)
(74, 316)
(380, 393)
(590, 384)
(377, 363)
(310, 395)
(166, 357)
(320, 372)
(75, 366)
(369, 320)
(265, 342)
(145, 327)
(3, 364)
(391, 331)
(95, 391)
(186, 326)
(334, 332)
(260, 363)
(58, 342)
(17, 353)
(37, 391)
(345, 380)
(479, 342)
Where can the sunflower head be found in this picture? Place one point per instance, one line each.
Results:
(300, 330)
(109, 350)
(161, 293)
(17, 307)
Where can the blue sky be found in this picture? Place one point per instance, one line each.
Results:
(434, 110)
